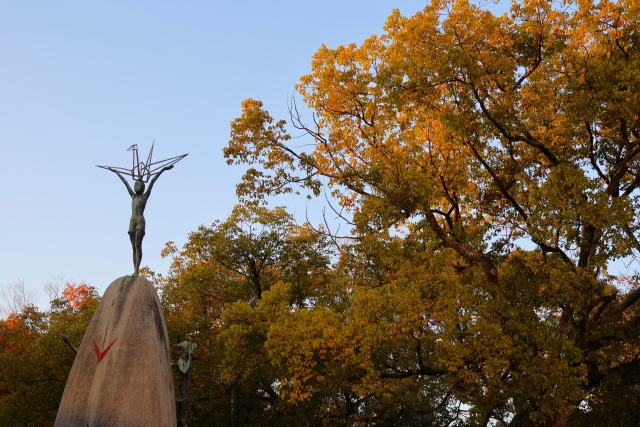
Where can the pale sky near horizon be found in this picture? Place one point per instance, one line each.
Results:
(82, 81)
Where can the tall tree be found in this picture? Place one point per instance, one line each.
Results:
(223, 292)
(490, 167)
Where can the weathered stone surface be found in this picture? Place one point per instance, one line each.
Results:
(122, 373)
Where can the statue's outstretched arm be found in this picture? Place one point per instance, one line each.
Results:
(131, 193)
(66, 340)
(155, 178)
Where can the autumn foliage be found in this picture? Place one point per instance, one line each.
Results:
(487, 170)
(34, 361)
(488, 167)
(76, 295)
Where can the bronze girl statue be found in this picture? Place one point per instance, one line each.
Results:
(141, 172)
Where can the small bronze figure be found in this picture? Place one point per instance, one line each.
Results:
(184, 386)
(141, 172)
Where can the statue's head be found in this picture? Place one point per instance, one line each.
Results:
(187, 347)
(138, 187)
(184, 361)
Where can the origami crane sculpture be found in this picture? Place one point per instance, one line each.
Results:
(141, 172)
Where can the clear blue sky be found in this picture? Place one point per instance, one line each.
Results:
(82, 81)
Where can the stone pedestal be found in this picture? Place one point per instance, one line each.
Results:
(122, 373)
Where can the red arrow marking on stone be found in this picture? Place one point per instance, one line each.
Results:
(99, 353)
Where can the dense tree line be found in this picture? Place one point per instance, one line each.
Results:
(34, 360)
(487, 167)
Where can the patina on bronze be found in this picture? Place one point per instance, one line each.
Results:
(141, 172)
(184, 386)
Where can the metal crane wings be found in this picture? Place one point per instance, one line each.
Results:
(143, 171)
